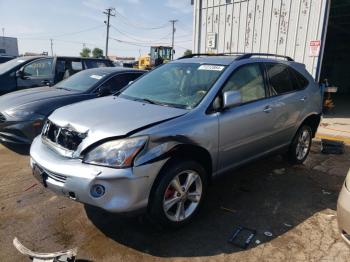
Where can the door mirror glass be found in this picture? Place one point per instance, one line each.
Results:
(104, 91)
(231, 98)
(19, 73)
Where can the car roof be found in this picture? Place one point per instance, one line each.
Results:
(216, 60)
(227, 59)
(110, 70)
(66, 57)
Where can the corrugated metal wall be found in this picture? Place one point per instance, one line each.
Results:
(284, 27)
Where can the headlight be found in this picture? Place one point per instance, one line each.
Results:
(23, 115)
(117, 153)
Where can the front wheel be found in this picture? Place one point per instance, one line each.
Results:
(301, 145)
(178, 193)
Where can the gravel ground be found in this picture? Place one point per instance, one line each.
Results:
(295, 203)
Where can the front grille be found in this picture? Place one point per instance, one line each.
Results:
(2, 118)
(64, 137)
(56, 177)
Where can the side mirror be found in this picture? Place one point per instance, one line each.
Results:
(20, 73)
(231, 98)
(103, 91)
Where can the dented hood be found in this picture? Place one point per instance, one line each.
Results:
(111, 117)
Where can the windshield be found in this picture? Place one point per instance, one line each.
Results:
(11, 64)
(181, 85)
(81, 81)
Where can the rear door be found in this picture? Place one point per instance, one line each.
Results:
(288, 98)
(245, 130)
(37, 73)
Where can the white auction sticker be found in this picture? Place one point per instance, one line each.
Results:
(211, 67)
(96, 77)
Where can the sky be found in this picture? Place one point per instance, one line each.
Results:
(73, 24)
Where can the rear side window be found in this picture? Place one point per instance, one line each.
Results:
(96, 63)
(281, 80)
(299, 79)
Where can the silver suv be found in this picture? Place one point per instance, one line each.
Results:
(157, 143)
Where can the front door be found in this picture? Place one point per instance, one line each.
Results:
(36, 73)
(245, 130)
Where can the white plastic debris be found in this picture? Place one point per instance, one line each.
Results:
(257, 242)
(268, 234)
(62, 256)
(287, 225)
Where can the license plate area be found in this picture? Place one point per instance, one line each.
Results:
(40, 175)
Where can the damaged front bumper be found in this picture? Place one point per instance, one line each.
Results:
(124, 190)
(21, 132)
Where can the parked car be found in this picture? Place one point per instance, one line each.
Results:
(343, 210)
(158, 142)
(33, 71)
(4, 59)
(23, 113)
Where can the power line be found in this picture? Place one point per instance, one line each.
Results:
(109, 13)
(139, 39)
(126, 21)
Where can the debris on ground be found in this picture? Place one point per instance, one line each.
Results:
(268, 234)
(326, 192)
(61, 256)
(32, 186)
(280, 171)
(332, 147)
(258, 242)
(228, 209)
(242, 237)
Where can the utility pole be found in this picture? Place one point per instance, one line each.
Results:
(109, 13)
(172, 38)
(51, 42)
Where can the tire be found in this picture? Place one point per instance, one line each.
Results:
(301, 145)
(166, 202)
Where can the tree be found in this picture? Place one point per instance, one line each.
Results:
(85, 52)
(97, 52)
(188, 52)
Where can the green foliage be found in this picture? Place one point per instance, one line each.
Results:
(97, 52)
(85, 52)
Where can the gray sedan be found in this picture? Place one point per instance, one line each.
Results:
(23, 113)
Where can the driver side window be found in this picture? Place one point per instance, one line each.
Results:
(39, 68)
(249, 81)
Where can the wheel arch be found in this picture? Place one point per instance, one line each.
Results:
(313, 121)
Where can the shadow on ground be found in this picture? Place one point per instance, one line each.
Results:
(260, 196)
(17, 148)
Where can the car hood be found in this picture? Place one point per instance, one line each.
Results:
(111, 116)
(24, 97)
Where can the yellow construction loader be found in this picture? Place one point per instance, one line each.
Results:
(158, 55)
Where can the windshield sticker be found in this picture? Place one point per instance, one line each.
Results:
(96, 77)
(211, 67)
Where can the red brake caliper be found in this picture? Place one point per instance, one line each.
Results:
(169, 192)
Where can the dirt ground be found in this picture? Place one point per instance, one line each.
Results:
(295, 203)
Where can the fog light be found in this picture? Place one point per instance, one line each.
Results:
(97, 190)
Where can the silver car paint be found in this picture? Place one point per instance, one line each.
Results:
(231, 137)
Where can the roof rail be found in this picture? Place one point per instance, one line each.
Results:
(249, 55)
(241, 55)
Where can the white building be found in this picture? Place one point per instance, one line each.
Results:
(8, 46)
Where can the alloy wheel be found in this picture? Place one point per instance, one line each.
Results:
(182, 196)
(303, 145)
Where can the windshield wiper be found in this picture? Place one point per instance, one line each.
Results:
(64, 88)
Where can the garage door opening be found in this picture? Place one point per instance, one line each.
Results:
(336, 59)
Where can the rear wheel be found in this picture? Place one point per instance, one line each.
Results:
(178, 194)
(301, 145)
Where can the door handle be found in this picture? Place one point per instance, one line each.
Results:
(303, 99)
(267, 109)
